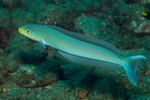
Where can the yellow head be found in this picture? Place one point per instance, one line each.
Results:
(31, 31)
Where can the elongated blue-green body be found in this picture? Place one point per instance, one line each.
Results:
(82, 49)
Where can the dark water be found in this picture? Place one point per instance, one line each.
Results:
(29, 72)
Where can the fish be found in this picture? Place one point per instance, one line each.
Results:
(82, 49)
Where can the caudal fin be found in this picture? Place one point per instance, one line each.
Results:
(131, 67)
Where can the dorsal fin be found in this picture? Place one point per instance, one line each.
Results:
(88, 39)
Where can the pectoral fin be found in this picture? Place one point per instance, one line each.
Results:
(42, 44)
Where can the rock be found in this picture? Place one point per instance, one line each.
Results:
(5, 19)
(7, 66)
(88, 25)
(145, 28)
(3, 76)
(13, 92)
(129, 17)
(54, 14)
(26, 51)
(82, 94)
(11, 4)
(74, 73)
(18, 18)
(60, 90)
(16, 43)
(33, 55)
(4, 38)
(86, 5)
(139, 51)
(1, 90)
(139, 97)
(33, 76)
(32, 7)
(146, 42)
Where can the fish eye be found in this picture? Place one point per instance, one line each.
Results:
(28, 31)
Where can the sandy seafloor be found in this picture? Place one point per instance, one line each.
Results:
(29, 72)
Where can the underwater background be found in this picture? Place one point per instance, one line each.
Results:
(29, 72)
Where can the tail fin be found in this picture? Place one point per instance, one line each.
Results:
(131, 67)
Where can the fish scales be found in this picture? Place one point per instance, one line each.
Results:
(82, 49)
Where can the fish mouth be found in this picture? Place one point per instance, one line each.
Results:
(22, 31)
